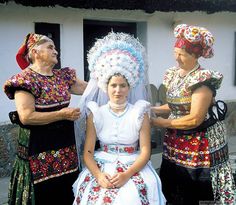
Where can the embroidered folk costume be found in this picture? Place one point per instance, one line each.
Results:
(195, 162)
(46, 157)
(118, 134)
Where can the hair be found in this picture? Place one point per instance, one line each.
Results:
(36, 46)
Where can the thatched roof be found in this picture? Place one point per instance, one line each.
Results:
(149, 6)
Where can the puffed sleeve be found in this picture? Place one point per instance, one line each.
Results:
(22, 81)
(68, 75)
(140, 108)
(169, 75)
(209, 78)
(97, 118)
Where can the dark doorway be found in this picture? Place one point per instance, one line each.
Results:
(52, 31)
(97, 29)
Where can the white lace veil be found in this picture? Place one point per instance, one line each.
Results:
(115, 53)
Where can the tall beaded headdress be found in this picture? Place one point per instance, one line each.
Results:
(117, 53)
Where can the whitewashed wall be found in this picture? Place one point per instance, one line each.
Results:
(154, 30)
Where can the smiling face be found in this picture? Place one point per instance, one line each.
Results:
(185, 60)
(118, 89)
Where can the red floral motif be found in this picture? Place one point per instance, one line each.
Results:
(195, 159)
(120, 169)
(34, 165)
(129, 149)
(107, 199)
(62, 151)
(184, 145)
(49, 163)
(72, 155)
(136, 174)
(194, 144)
(96, 189)
(56, 166)
(105, 148)
(66, 163)
(49, 158)
(144, 192)
(179, 142)
(67, 149)
(78, 200)
(182, 157)
(87, 179)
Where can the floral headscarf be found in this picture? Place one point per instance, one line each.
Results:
(195, 40)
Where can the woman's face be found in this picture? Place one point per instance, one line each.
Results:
(118, 89)
(47, 53)
(185, 60)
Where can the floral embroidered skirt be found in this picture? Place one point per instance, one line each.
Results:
(196, 168)
(46, 165)
(143, 188)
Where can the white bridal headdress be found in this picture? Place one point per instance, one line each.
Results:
(115, 53)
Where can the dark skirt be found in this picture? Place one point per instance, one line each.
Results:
(195, 167)
(46, 165)
(56, 191)
(183, 186)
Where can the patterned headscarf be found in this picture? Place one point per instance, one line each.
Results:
(31, 40)
(195, 40)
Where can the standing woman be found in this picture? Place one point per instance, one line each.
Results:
(46, 163)
(195, 165)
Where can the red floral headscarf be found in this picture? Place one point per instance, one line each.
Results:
(195, 40)
(30, 41)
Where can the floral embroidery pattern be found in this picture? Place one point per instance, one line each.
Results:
(119, 148)
(95, 188)
(110, 194)
(187, 150)
(83, 186)
(94, 192)
(138, 181)
(47, 90)
(53, 163)
(206, 149)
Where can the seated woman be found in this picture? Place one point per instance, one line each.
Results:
(120, 171)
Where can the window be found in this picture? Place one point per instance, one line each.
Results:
(52, 31)
(98, 29)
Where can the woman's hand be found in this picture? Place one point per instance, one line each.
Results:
(119, 179)
(69, 113)
(157, 121)
(200, 102)
(25, 105)
(104, 180)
